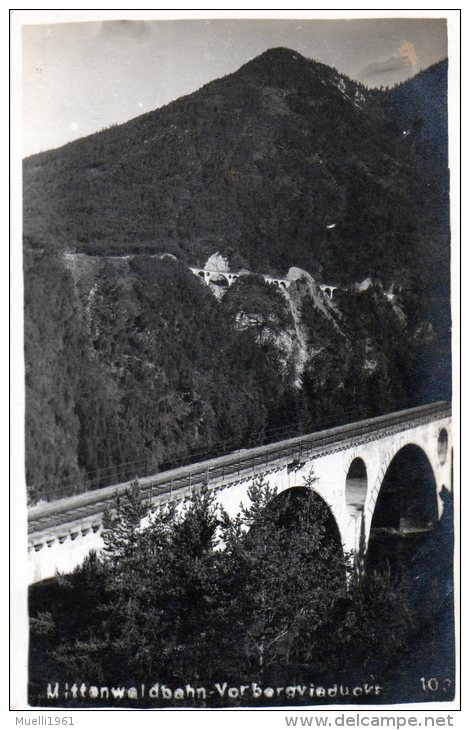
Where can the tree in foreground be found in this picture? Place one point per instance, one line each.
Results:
(284, 574)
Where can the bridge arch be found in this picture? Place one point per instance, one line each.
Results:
(356, 487)
(289, 501)
(218, 279)
(442, 446)
(407, 498)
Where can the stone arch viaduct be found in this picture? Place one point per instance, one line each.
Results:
(354, 465)
(227, 278)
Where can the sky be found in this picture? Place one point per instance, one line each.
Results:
(78, 78)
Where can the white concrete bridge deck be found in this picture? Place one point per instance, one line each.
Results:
(81, 515)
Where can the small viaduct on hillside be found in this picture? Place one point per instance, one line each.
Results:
(227, 278)
(389, 473)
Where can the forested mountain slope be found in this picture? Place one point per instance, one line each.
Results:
(285, 163)
(419, 107)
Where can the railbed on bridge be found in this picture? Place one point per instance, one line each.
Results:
(83, 512)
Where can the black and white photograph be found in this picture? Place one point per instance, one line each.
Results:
(238, 258)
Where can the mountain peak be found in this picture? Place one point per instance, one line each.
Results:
(288, 69)
(280, 53)
(277, 59)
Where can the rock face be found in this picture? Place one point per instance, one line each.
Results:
(216, 262)
(306, 285)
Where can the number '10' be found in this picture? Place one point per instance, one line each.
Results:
(432, 684)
